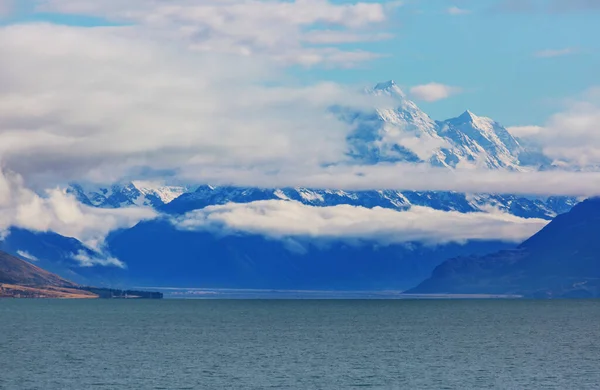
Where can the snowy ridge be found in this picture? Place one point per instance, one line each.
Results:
(526, 207)
(137, 193)
(401, 134)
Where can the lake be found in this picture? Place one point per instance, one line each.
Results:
(299, 344)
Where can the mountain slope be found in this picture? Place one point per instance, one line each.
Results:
(407, 134)
(545, 208)
(19, 272)
(59, 255)
(562, 260)
(158, 254)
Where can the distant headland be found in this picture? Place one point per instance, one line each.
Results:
(20, 279)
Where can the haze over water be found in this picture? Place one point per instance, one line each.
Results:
(302, 344)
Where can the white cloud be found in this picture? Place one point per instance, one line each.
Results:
(433, 92)
(570, 137)
(276, 29)
(61, 213)
(550, 53)
(328, 37)
(524, 131)
(454, 10)
(407, 177)
(26, 255)
(127, 101)
(289, 219)
(86, 259)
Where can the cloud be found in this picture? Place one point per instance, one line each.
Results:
(524, 131)
(26, 255)
(570, 137)
(99, 102)
(61, 213)
(86, 259)
(455, 11)
(328, 37)
(555, 53)
(275, 29)
(127, 101)
(407, 177)
(433, 92)
(290, 219)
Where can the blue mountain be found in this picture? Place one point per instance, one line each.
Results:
(561, 261)
(158, 254)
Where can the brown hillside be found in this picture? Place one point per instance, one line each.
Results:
(19, 272)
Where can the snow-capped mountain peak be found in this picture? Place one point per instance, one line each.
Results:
(389, 88)
(407, 134)
(165, 193)
(486, 135)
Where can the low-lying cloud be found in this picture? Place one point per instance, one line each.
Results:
(408, 177)
(61, 213)
(289, 219)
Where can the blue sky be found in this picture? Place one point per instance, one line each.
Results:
(489, 51)
(491, 55)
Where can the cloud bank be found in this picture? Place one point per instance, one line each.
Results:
(571, 136)
(409, 177)
(289, 219)
(433, 92)
(61, 213)
(126, 101)
(283, 31)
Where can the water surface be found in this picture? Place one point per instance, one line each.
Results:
(299, 344)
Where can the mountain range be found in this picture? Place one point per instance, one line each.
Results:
(401, 134)
(156, 253)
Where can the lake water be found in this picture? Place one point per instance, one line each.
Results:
(301, 344)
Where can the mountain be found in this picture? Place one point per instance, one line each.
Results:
(401, 134)
(158, 254)
(136, 193)
(16, 271)
(526, 207)
(562, 260)
(20, 279)
(405, 133)
(60, 255)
